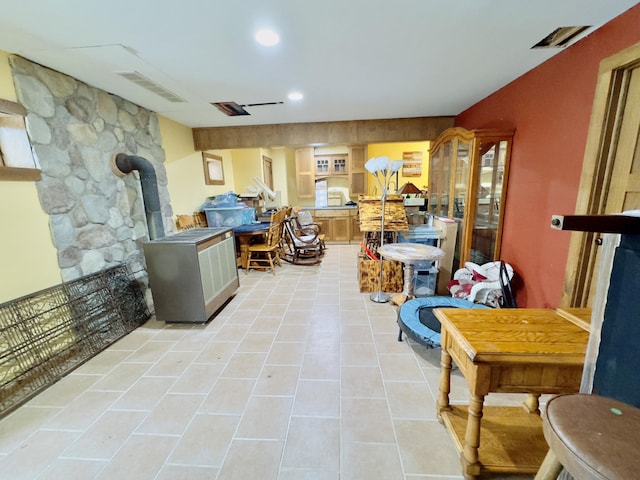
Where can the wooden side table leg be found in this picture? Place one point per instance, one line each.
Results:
(469, 457)
(445, 381)
(407, 289)
(550, 468)
(532, 403)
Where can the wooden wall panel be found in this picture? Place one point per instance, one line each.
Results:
(417, 129)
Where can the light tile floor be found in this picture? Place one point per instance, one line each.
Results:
(300, 376)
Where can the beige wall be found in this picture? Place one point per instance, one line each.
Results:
(247, 163)
(28, 259)
(284, 168)
(185, 171)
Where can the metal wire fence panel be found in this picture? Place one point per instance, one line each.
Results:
(45, 335)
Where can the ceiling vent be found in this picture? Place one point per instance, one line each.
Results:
(232, 109)
(561, 37)
(151, 86)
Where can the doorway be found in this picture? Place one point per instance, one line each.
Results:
(610, 180)
(267, 168)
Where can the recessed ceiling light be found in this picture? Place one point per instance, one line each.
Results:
(267, 38)
(295, 96)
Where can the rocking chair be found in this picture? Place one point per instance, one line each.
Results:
(302, 247)
(304, 223)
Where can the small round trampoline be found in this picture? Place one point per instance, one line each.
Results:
(417, 320)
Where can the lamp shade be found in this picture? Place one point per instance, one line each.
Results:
(395, 165)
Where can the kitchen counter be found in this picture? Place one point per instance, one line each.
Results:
(340, 207)
(339, 224)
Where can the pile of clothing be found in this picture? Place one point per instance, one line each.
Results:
(481, 283)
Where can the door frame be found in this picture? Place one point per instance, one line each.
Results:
(267, 169)
(597, 168)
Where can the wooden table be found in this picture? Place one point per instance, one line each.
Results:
(531, 351)
(245, 236)
(409, 254)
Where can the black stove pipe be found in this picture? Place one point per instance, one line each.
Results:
(123, 164)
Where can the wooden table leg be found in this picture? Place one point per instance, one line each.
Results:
(407, 289)
(445, 381)
(469, 457)
(244, 255)
(532, 403)
(550, 468)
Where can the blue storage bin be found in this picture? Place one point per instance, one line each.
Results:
(229, 217)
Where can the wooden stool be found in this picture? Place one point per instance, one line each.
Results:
(593, 437)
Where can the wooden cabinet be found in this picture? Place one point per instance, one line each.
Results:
(305, 172)
(356, 234)
(351, 165)
(335, 224)
(341, 229)
(331, 165)
(357, 173)
(468, 175)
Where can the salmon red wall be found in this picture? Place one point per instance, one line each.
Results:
(550, 108)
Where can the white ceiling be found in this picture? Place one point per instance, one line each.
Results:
(352, 59)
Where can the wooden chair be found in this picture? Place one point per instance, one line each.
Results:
(301, 248)
(187, 222)
(266, 255)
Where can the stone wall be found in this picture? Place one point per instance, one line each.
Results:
(97, 219)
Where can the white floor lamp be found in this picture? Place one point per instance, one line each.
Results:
(383, 170)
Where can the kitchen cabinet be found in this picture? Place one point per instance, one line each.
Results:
(356, 234)
(305, 172)
(192, 273)
(357, 173)
(310, 167)
(468, 176)
(338, 225)
(331, 165)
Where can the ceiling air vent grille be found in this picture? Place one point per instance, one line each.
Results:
(561, 37)
(151, 86)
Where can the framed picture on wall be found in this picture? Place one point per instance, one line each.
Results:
(412, 166)
(213, 172)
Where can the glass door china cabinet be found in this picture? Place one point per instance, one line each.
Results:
(467, 183)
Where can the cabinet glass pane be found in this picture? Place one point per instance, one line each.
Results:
(461, 178)
(435, 173)
(446, 176)
(340, 165)
(488, 202)
(322, 166)
(439, 172)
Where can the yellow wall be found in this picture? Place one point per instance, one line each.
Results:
(247, 163)
(284, 168)
(394, 151)
(28, 259)
(185, 172)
